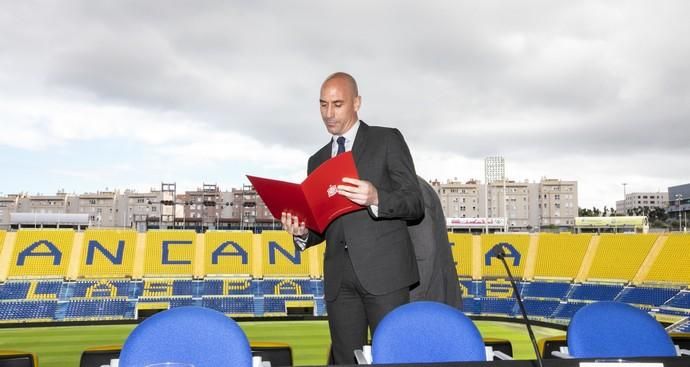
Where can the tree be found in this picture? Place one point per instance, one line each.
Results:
(596, 212)
(584, 212)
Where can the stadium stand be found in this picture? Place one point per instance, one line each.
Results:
(516, 254)
(41, 253)
(292, 287)
(471, 305)
(619, 256)
(104, 309)
(107, 253)
(169, 253)
(540, 308)
(462, 253)
(672, 264)
(498, 288)
(490, 305)
(281, 258)
(231, 305)
(567, 310)
(167, 287)
(261, 274)
(652, 296)
(229, 287)
(278, 305)
(470, 288)
(27, 310)
(680, 300)
(228, 253)
(541, 289)
(560, 255)
(103, 288)
(42, 289)
(595, 292)
(14, 289)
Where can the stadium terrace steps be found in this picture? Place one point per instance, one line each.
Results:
(673, 262)
(619, 256)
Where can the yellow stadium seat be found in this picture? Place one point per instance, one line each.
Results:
(673, 263)
(157, 288)
(619, 256)
(560, 255)
(170, 253)
(107, 253)
(41, 253)
(462, 253)
(228, 253)
(281, 258)
(515, 256)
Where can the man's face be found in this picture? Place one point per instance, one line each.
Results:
(339, 106)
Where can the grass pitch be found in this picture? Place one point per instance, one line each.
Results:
(61, 346)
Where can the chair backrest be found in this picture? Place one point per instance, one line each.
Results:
(195, 335)
(10, 358)
(614, 329)
(426, 332)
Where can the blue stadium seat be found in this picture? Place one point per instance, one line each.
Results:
(101, 288)
(540, 308)
(546, 289)
(617, 330)
(426, 332)
(646, 295)
(28, 310)
(14, 290)
(680, 300)
(471, 305)
(567, 310)
(195, 335)
(595, 292)
(234, 305)
(229, 287)
(275, 305)
(286, 286)
(99, 309)
(181, 302)
(497, 305)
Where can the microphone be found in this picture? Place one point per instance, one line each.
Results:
(500, 254)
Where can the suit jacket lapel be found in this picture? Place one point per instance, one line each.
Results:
(324, 154)
(360, 141)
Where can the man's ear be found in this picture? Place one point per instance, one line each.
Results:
(357, 103)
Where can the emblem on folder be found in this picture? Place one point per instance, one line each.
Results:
(332, 190)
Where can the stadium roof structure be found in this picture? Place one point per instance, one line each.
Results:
(49, 218)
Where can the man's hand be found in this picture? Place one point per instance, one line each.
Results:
(359, 191)
(292, 225)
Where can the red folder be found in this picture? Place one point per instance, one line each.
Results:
(316, 200)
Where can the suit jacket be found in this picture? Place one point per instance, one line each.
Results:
(380, 248)
(438, 278)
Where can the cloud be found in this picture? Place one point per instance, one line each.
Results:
(540, 82)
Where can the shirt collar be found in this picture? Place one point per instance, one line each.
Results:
(350, 134)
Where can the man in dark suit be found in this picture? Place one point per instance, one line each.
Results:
(369, 262)
(438, 278)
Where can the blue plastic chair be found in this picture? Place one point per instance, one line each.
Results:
(614, 329)
(426, 332)
(195, 335)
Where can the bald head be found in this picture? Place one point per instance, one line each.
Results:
(340, 103)
(345, 78)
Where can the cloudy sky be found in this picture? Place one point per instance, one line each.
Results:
(126, 94)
